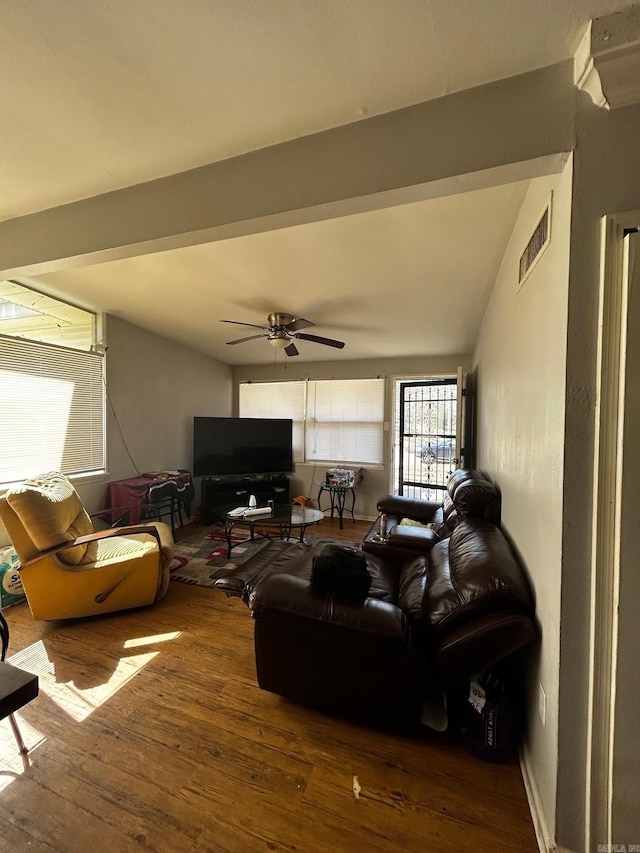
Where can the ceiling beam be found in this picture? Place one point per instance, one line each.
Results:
(440, 147)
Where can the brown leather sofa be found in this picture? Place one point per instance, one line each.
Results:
(431, 620)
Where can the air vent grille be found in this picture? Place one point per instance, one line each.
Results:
(538, 242)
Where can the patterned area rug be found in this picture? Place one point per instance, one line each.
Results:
(202, 558)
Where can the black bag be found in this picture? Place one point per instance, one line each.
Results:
(341, 570)
(487, 714)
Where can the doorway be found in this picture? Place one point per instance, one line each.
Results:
(614, 752)
(427, 432)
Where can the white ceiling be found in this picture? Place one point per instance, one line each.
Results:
(96, 96)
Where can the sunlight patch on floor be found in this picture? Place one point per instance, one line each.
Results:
(150, 641)
(73, 695)
(76, 701)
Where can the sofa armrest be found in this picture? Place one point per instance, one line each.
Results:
(402, 543)
(108, 533)
(420, 539)
(402, 506)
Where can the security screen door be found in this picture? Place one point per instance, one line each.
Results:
(428, 432)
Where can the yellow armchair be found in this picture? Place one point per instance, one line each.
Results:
(67, 568)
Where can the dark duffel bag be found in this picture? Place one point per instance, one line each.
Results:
(343, 571)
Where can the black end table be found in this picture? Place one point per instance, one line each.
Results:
(337, 495)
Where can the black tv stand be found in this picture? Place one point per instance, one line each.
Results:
(235, 489)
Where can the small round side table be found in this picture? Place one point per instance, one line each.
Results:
(337, 495)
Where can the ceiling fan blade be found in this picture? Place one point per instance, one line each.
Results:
(300, 323)
(291, 349)
(316, 340)
(250, 338)
(253, 325)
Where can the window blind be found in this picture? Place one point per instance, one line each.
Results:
(52, 403)
(276, 400)
(345, 420)
(334, 420)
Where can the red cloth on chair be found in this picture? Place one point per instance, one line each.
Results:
(132, 495)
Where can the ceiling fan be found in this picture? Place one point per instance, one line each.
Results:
(282, 332)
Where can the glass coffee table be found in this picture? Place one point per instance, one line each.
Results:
(282, 520)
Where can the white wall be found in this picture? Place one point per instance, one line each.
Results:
(605, 182)
(520, 374)
(155, 388)
(376, 480)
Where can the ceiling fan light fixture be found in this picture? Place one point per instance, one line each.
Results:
(282, 332)
(279, 340)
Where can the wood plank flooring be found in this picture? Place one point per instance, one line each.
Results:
(150, 733)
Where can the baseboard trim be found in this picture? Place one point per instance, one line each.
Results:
(546, 843)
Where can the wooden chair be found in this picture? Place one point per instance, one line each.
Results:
(17, 687)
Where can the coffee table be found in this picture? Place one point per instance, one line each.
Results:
(284, 518)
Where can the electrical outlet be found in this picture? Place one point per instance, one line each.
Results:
(542, 705)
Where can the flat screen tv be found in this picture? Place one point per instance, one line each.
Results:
(223, 446)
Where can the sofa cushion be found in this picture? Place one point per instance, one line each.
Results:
(51, 512)
(413, 578)
(473, 572)
(130, 546)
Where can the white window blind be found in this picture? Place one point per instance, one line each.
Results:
(345, 420)
(336, 420)
(52, 404)
(276, 400)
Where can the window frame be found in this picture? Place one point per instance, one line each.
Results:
(60, 393)
(308, 420)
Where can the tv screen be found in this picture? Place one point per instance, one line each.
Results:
(223, 446)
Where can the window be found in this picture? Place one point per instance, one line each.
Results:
(335, 420)
(51, 396)
(277, 400)
(344, 420)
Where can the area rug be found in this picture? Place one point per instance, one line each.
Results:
(202, 558)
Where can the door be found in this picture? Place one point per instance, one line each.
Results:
(612, 816)
(624, 818)
(428, 435)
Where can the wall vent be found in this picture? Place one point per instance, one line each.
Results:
(536, 245)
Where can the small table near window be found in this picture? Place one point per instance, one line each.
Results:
(337, 497)
(156, 494)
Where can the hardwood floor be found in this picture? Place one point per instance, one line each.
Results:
(150, 733)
